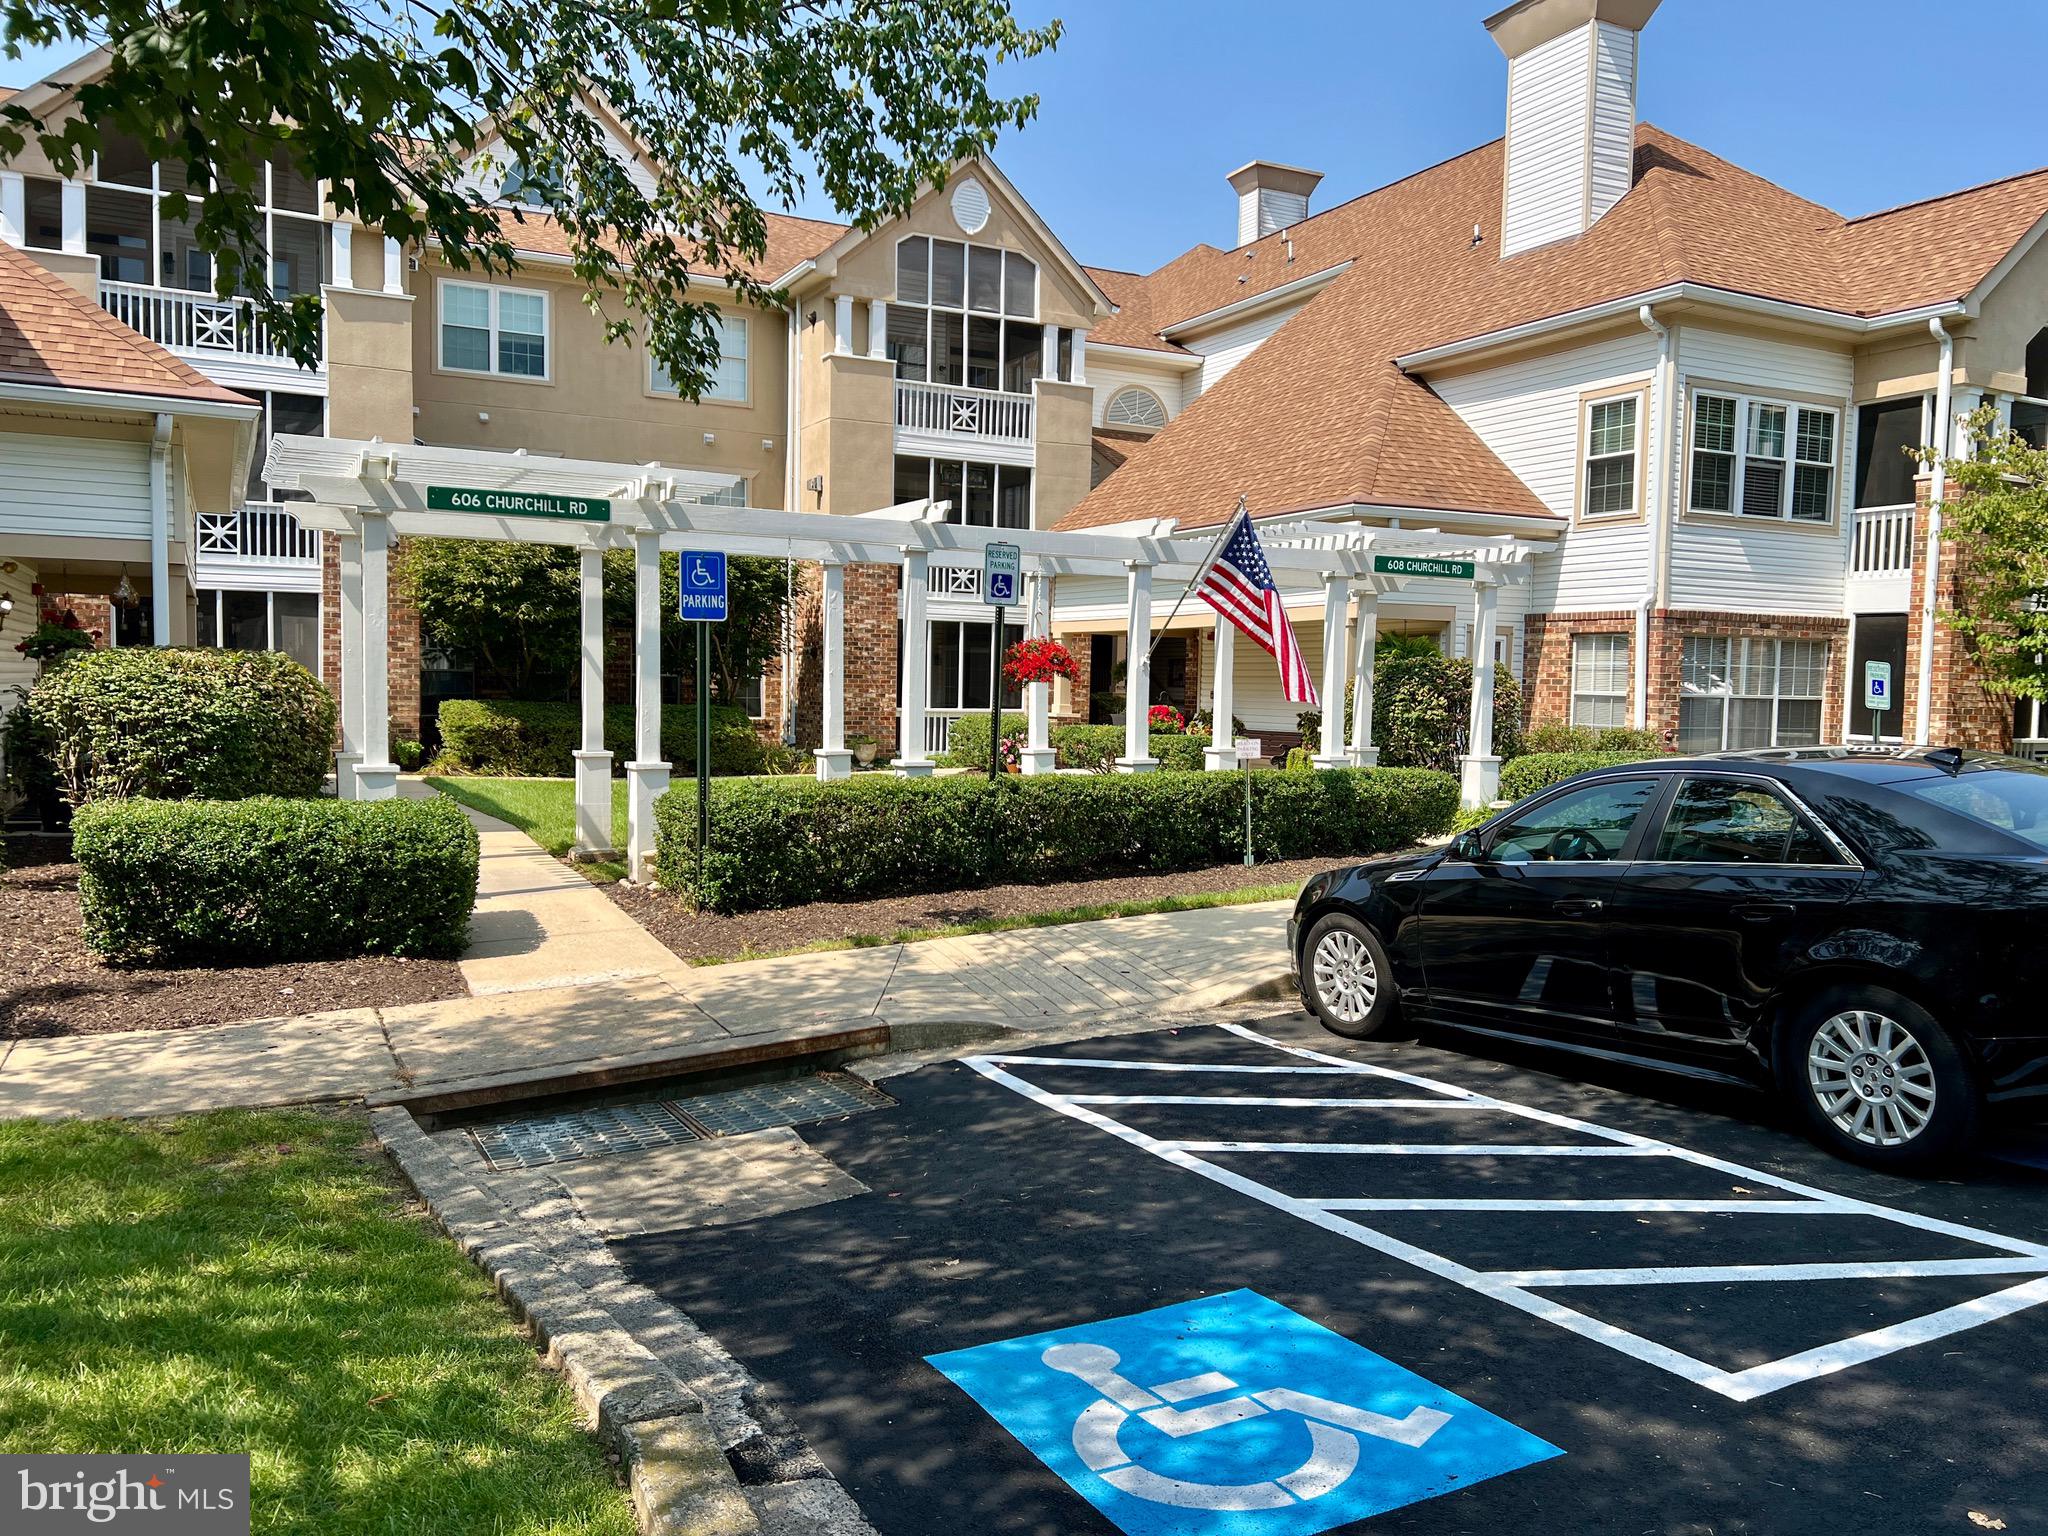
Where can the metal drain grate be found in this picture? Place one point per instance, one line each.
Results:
(566, 1136)
(536, 1140)
(797, 1102)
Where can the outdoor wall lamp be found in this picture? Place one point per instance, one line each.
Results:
(6, 606)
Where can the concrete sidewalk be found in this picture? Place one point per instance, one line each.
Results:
(564, 980)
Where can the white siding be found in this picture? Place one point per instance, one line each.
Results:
(1761, 567)
(16, 670)
(1222, 350)
(93, 487)
(1549, 90)
(1108, 377)
(1614, 116)
(1527, 412)
(1263, 210)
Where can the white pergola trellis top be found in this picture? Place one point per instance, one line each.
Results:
(368, 493)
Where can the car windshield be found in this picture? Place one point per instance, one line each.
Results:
(2010, 799)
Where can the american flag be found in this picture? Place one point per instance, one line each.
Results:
(1239, 585)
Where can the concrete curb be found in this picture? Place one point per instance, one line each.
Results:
(681, 1483)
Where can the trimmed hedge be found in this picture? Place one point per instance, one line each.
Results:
(537, 738)
(783, 842)
(249, 881)
(1094, 747)
(1555, 737)
(1538, 770)
(175, 724)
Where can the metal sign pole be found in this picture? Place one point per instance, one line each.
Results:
(1246, 770)
(703, 747)
(995, 698)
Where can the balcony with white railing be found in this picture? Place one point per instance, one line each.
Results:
(197, 325)
(940, 418)
(1881, 559)
(262, 545)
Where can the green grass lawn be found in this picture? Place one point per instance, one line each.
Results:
(544, 809)
(246, 1281)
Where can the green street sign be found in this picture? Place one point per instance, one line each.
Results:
(458, 498)
(1410, 565)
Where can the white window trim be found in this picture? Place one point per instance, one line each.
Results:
(1745, 404)
(1776, 696)
(961, 677)
(669, 391)
(1576, 692)
(494, 290)
(1109, 408)
(270, 597)
(931, 484)
(1587, 404)
(267, 194)
(1001, 315)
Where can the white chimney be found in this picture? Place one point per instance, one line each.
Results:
(1270, 197)
(1570, 151)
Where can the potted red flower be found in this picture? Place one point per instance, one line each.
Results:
(1166, 720)
(1037, 661)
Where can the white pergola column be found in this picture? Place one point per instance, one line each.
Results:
(13, 208)
(1365, 653)
(593, 762)
(842, 324)
(340, 264)
(71, 216)
(834, 761)
(1137, 756)
(1331, 751)
(878, 328)
(1223, 700)
(394, 266)
(349, 547)
(1038, 755)
(1480, 778)
(376, 775)
(647, 774)
(910, 759)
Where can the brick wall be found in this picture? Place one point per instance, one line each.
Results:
(1547, 659)
(1963, 712)
(1669, 627)
(1083, 652)
(402, 663)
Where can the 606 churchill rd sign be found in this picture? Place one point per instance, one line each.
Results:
(458, 498)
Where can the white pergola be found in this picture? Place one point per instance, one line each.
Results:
(370, 493)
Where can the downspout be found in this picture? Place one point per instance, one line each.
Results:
(1659, 489)
(1944, 406)
(160, 531)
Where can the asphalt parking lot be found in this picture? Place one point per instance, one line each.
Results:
(1250, 1278)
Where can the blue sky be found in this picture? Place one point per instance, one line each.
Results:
(1858, 104)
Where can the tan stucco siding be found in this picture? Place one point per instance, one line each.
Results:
(1065, 448)
(2013, 314)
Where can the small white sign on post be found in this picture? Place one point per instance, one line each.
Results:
(1877, 685)
(1001, 568)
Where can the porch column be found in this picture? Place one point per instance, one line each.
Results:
(834, 761)
(71, 216)
(1049, 353)
(376, 775)
(1481, 769)
(593, 762)
(878, 328)
(1365, 655)
(1137, 756)
(910, 759)
(1038, 754)
(13, 208)
(339, 262)
(842, 324)
(1080, 357)
(647, 774)
(394, 266)
(1222, 700)
(350, 549)
(1331, 751)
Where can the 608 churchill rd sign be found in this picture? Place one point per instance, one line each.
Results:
(458, 498)
(1412, 565)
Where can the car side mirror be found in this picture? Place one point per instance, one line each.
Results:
(1469, 848)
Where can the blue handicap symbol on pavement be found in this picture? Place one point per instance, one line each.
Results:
(1233, 1416)
(703, 585)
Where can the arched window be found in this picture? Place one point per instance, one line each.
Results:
(1134, 407)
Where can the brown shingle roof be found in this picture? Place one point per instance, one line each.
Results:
(50, 334)
(1319, 416)
(790, 239)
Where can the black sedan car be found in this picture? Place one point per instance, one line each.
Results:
(1864, 933)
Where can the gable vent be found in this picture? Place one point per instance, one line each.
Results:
(1570, 153)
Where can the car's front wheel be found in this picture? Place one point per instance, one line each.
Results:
(1350, 983)
(1880, 1080)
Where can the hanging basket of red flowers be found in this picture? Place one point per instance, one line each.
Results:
(1165, 719)
(1037, 661)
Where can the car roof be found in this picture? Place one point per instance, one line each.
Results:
(1869, 765)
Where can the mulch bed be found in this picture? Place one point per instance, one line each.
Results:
(51, 984)
(705, 936)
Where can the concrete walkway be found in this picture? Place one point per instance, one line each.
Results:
(563, 979)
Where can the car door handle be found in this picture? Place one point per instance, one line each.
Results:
(1763, 911)
(1577, 906)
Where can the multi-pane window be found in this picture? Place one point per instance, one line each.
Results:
(1611, 456)
(730, 380)
(1762, 458)
(960, 664)
(983, 495)
(964, 315)
(1134, 406)
(296, 415)
(488, 329)
(1600, 680)
(263, 621)
(1741, 693)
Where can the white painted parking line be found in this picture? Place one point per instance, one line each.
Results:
(1120, 1065)
(1236, 1101)
(1522, 1289)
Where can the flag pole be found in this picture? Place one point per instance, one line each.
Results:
(1207, 560)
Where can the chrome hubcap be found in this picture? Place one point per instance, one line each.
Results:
(1871, 1077)
(1346, 979)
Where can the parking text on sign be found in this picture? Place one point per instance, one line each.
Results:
(489, 503)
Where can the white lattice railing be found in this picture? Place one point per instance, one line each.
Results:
(262, 533)
(1882, 542)
(979, 415)
(192, 322)
(938, 734)
(2033, 748)
(955, 581)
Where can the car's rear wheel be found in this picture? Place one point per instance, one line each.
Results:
(1350, 983)
(1880, 1080)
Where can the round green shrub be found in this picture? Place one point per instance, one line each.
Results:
(184, 724)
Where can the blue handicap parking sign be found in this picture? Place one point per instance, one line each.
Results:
(1233, 1416)
(702, 581)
